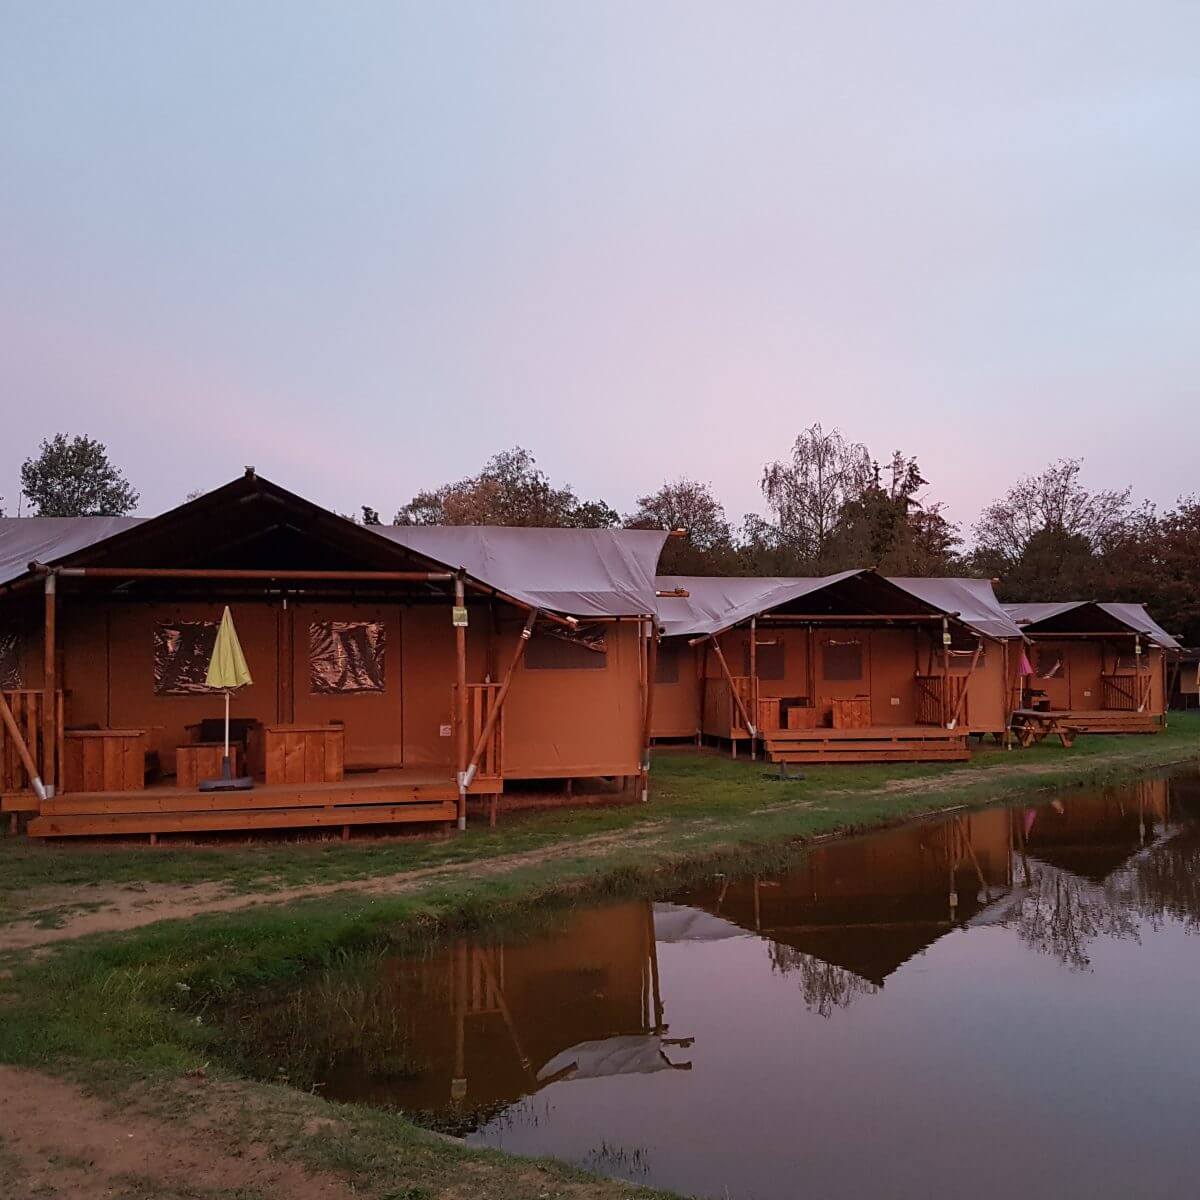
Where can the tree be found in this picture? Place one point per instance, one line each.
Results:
(370, 516)
(807, 494)
(74, 478)
(510, 490)
(707, 548)
(1054, 501)
(888, 527)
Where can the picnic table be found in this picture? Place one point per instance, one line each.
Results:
(1033, 725)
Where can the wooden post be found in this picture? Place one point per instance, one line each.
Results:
(754, 683)
(647, 729)
(460, 695)
(737, 700)
(50, 684)
(945, 671)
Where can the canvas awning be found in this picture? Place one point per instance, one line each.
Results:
(577, 572)
(1133, 617)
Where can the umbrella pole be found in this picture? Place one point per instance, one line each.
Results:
(226, 766)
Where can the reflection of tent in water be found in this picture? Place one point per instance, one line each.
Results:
(868, 905)
(1094, 835)
(679, 923)
(481, 1026)
(644, 1054)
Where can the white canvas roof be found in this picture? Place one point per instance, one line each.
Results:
(1133, 616)
(974, 600)
(579, 572)
(48, 539)
(716, 604)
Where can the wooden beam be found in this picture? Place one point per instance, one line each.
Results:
(494, 716)
(753, 683)
(27, 762)
(741, 707)
(50, 684)
(239, 573)
(460, 698)
(651, 671)
(962, 696)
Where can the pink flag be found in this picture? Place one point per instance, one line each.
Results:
(1024, 667)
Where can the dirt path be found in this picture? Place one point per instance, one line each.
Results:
(57, 1141)
(121, 907)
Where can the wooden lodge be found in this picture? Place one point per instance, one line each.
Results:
(1100, 668)
(845, 668)
(388, 684)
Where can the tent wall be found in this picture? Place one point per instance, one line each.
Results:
(557, 723)
(677, 689)
(572, 722)
(890, 659)
(1077, 685)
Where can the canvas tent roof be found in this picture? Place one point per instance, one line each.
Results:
(577, 572)
(580, 572)
(973, 599)
(1133, 616)
(716, 604)
(49, 539)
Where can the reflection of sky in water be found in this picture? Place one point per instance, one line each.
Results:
(977, 1067)
(997, 1003)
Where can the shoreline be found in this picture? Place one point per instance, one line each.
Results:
(122, 1010)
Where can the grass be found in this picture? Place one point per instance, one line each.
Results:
(131, 1012)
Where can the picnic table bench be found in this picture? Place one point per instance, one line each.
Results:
(1033, 725)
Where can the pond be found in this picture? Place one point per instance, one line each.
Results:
(992, 1003)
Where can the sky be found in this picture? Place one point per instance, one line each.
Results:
(363, 246)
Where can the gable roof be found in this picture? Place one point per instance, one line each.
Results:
(575, 572)
(716, 604)
(580, 572)
(974, 600)
(50, 539)
(1133, 616)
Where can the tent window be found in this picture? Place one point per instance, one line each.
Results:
(346, 656)
(10, 661)
(584, 650)
(841, 660)
(1128, 661)
(181, 656)
(770, 659)
(666, 666)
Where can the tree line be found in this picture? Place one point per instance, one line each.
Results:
(829, 505)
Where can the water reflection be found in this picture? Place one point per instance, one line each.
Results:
(621, 1036)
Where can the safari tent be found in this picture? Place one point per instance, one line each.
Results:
(851, 667)
(1104, 666)
(388, 683)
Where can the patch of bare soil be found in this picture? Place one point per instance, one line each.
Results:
(120, 908)
(57, 1141)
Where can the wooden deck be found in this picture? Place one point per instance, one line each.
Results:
(369, 798)
(880, 743)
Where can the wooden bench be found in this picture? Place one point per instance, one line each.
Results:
(104, 760)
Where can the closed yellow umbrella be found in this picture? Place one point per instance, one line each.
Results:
(227, 671)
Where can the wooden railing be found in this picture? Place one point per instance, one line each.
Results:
(1125, 693)
(938, 697)
(28, 710)
(481, 699)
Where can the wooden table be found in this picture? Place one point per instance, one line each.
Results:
(202, 760)
(304, 753)
(1033, 725)
(104, 760)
